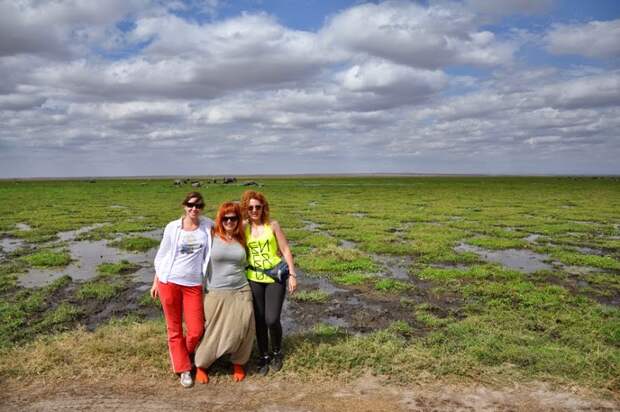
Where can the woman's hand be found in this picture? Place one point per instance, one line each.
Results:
(155, 288)
(292, 284)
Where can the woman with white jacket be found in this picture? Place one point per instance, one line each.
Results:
(180, 266)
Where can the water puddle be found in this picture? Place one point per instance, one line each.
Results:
(582, 283)
(88, 255)
(458, 266)
(396, 267)
(532, 238)
(294, 321)
(589, 251)
(156, 234)
(519, 259)
(311, 226)
(335, 321)
(324, 285)
(23, 226)
(347, 244)
(72, 234)
(579, 270)
(9, 244)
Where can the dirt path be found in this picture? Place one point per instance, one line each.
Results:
(255, 394)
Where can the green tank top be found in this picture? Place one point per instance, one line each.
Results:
(262, 253)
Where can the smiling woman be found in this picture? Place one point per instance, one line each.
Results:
(180, 267)
(229, 323)
(267, 247)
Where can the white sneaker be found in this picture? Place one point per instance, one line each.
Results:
(186, 379)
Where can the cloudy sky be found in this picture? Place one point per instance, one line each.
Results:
(200, 87)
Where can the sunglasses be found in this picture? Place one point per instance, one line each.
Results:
(230, 218)
(196, 205)
(255, 207)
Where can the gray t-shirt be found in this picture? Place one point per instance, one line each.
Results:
(227, 265)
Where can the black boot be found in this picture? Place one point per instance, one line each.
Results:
(277, 359)
(262, 365)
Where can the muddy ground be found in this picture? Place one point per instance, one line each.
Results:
(272, 394)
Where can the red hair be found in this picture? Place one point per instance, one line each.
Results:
(245, 202)
(218, 229)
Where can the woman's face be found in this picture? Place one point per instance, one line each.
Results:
(255, 210)
(193, 207)
(230, 222)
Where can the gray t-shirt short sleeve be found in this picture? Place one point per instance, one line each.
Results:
(227, 265)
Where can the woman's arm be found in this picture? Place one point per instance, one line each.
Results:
(285, 250)
(164, 247)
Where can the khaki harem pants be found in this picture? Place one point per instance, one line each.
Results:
(229, 326)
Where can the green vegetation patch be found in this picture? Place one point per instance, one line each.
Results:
(146, 300)
(580, 259)
(335, 260)
(121, 267)
(471, 272)
(8, 273)
(310, 296)
(48, 258)
(98, 290)
(23, 314)
(498, 243)
(135, 244)
(392, 285)
(62, 315)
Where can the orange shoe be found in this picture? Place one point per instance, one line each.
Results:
(238, 373)
(202, 376)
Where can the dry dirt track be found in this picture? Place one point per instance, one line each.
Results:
(364, 394)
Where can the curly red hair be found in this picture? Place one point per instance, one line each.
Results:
(245, 201)
(228, 208)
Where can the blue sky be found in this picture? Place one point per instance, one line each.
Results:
(153, 87)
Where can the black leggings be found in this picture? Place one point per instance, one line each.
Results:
(268, 299)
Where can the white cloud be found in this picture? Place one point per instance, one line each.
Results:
(599, 39)
(383, 77)
(410, 34)
(58, 29)
(585, 92)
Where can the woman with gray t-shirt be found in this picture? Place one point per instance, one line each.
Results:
(229, 315)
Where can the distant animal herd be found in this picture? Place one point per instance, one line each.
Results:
(224, 180)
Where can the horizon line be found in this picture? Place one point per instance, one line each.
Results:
(276, 175)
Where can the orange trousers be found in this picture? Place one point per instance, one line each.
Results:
(182, 303)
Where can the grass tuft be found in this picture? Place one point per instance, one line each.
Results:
(310, 296)
(47, 258)
(135, 244)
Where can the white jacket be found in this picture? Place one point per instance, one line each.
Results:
(167, 248)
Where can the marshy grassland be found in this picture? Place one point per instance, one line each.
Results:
(491, 280)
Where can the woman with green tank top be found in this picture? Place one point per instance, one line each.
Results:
(266, 247)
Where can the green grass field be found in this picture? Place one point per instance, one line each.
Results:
(453, 314)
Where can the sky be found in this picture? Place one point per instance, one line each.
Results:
(212, 87)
